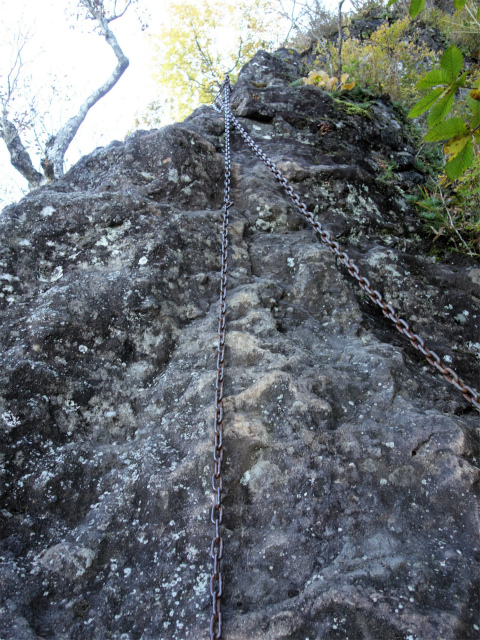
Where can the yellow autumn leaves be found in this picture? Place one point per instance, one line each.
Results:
(202, 40)
(323, 80)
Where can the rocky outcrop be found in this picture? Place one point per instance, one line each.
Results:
(361, 26)
(351, 469)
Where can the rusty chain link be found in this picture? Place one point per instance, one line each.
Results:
(222, 103)
(375, 296)
(216, 549)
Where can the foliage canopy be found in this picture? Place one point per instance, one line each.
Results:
(203, 41)
(389, 62)
(195, 49)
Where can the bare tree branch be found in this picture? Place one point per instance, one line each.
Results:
(9, 133)
(205, 57)
(14, 73)
(20, 40)
(56, 153)
(116, 15)
(307, 18)
(12, 126)
(192, 79)
(239, 55)
(291, 18)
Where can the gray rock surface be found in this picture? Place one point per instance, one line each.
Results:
(351, 478)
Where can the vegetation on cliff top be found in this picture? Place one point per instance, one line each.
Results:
(425, 60)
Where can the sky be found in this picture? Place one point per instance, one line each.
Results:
(78, 60)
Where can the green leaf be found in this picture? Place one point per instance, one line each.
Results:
(447, 129)
(415, 7)
(428, 215)
(390, 2)
(455, 145)
(454, 168)
(452, 62)
(434, 78)
(474, 106)
(296, 83)
(425, 103)
(460, 82)
(478, 12)
(459, 4)
(441, 109)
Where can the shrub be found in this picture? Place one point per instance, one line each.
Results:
(452, 210)
(390, 63)
(460, 29)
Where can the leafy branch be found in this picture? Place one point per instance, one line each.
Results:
(459, 136)
(444, 83)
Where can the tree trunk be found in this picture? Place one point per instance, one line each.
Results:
(19, 156)
(52, 163)
(340, 41)
(64, 137)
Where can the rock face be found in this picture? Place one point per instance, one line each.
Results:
(351, 479)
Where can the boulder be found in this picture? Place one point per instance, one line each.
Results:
(351, 481)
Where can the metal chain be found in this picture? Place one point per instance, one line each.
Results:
(216, 550)
(376, 297)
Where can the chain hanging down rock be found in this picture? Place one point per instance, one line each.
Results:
(375, 296)
(216, 551)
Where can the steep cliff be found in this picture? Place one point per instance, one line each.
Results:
(351, 479)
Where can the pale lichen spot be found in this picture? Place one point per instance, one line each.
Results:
(475, 347)
(57, 273)
(46, 212)
(10, 420)
(70, 406)
(245, 479)
(173, 174)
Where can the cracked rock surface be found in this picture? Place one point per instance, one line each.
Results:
(351, 481)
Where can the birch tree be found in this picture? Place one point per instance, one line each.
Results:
(14, 122)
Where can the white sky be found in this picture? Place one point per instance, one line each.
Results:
(82, 60)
